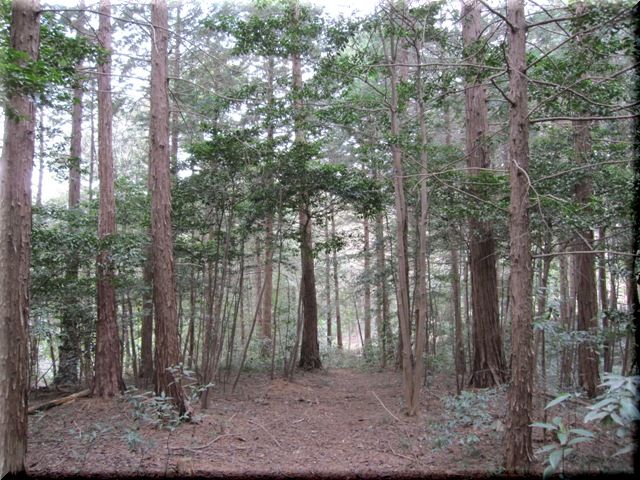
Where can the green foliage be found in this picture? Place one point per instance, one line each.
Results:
(565, 439)
(617, 406)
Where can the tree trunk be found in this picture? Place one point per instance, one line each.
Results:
(16, 166)
(402, 292)
(519, 450)
(488, 368)
(146, 334)
(382, 302)
(367, 289)
(309, 348)
(108, 369)
(336, 286)
(585, 272)
(175, 111)
(327, 283)
(69, 349)
(164, 296)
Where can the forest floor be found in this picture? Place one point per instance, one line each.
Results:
(334, 422)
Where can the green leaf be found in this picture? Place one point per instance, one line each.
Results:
(627, 449)
(618, 419)
(557, 421)
(545, 449)
(562, 438)
(550, 470)
(555, 458)
(583, 432)
(629, 410)
(595, 416)
(558, 400)
(547, 426)
(577, 440)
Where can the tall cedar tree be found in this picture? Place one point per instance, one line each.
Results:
(167, 351)
(69, 352)
(108, 368)
(488, 366)
(519, 451)
(16, 166)
(309, 348)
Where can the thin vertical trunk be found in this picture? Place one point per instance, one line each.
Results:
(309, 348)
(175, 111)
(134, 355)
(488, 368)
(402, 293)
(164, 295)
(267, 299)
(519, 450)
(336, 286)
(458, 353)
(588, 371)
(327, 282)
(16, 165)
(108, 369)
(40, 156)
(367, 289)
(146, 334)
(382, 294)
(69, 349)
(92, 140)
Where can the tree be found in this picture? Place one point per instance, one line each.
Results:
(69, 351)
(488, 367)
(108, 369)
(519, 450)
(167, 353)
(16, 165)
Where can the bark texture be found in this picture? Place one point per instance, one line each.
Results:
(107, 380)
(167, 347)
(488, 368)
(587, 300)
(16, 165)
(519, 450)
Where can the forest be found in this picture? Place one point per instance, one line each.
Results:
(280, 238)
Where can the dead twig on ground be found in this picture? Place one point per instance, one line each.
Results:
(384, 406)
(267, 432)
(59, 401)
(201, 447)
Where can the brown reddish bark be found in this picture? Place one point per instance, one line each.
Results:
(167, 347)
(69, 350)
(587, 300)
(565, 322)
(107, 380)
(519, 450)
(336, 286)
(16, 165)
(367, 288)
(309, 348)
(488, 367)
(146, 330)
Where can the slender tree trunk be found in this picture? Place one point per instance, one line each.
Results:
(146, 334)
(309, 348)
(40, 155)
(132, 336)
(367, 289)
(327, 282)
(458, 353)
(336, 286)
(175, 111)
(382, 294)
(108, 369)
(519, 450)
(488, 368)
(402, 292)
(164, 295)
(69, 350)
(586, 276)
(16, 166)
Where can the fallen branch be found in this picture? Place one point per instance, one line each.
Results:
(383, 405)
(267, 432)
(201, 447)
(59, 401)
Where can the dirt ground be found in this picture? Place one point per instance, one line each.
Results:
(338, 422)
